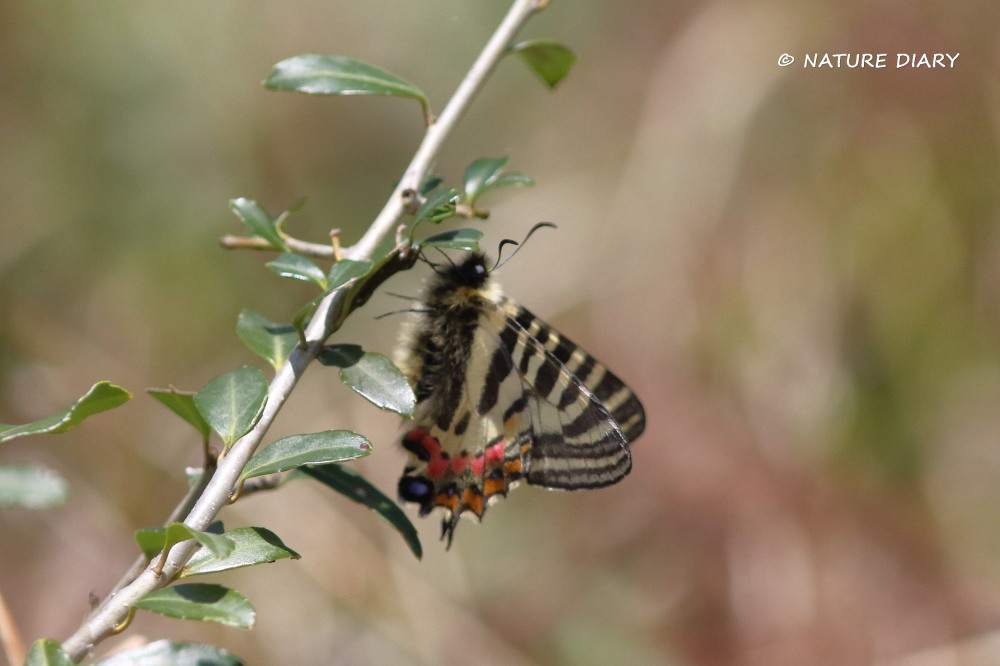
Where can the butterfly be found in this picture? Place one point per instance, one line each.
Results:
(502, 397)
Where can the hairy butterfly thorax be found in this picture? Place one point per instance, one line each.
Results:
(503, 397)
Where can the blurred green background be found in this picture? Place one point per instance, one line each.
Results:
(797, 269)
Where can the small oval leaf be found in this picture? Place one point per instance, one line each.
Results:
(253, 545)
(162, 652)
(47, 652)
(339, 75)
(297, 267)
(259, 221)
(346, 270)
(30, 487)
(102, 396)
(317, 448)
(373, 376)
(232, 403)
(150, 540)
(510, 179)
(352, 485)
(549, 60)
(182, 404)
(217, 544)
(457, 239)
(202, 602)
(268, 339)
(438, 206)
(480, 174)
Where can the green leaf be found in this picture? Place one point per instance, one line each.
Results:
(164, 652)
(202, 602)
(253, 545)
(438, 206)
(295, 266)
(430, 184)
(268, 339)
(182, 404)
(102, 396)
(30, 487)
(317, 448)
(510, 179)
(549, 60)
(259, 221)
(457, 239)
(217, 544)
(232, 403)
(480, 174)
(372, 375)
(346, 270)
(352, 485)
(302, 316)
(47, 652)
(150, 540)
(340, 75)
(487, 174)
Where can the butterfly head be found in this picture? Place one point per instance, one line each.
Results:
(471, 272)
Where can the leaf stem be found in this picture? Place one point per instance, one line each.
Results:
(114, 609)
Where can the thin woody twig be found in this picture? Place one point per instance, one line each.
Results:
(257, 243)
(10, 638)
(114, 609)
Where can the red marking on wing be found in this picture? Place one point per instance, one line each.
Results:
(426, 447)
(495, 452)
(478, 465)
(459, 462)
(492, 455)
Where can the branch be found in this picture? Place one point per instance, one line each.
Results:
(10, 638)
(257, 243)
(114, 609)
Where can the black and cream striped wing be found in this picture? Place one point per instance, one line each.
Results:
(577, 415)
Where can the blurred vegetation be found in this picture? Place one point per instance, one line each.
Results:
(798, 270)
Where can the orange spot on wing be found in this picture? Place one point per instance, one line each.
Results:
(472, 500)
(495, 486)
(448, 500)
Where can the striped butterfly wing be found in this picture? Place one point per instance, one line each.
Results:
(578, 416)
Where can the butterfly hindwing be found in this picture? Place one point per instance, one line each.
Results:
(500, 397)
(575, 442)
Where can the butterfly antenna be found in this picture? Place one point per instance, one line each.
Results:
(445, 255)
(396, 312)
(434, 267)
(507, 241)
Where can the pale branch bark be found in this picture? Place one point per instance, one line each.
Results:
(10, 637)
(294, 244)
(114, 609)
